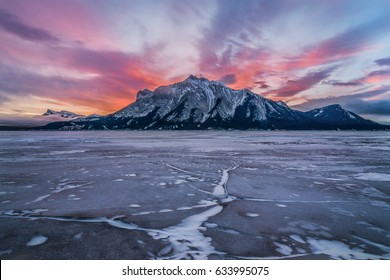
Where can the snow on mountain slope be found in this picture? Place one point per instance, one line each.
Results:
(62, 114)
(202, 102)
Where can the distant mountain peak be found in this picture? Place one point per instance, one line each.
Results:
(199, 81)
(335, 113)
(191, 77)
(62, 114)
(195, 78)
(334, 106)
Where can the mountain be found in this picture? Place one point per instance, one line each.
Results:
(332, 114)
(62, 114)
(197, 103)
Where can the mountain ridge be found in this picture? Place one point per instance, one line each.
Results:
(198, 103)
(63, 114)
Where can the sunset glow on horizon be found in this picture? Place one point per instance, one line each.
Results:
(93, 56)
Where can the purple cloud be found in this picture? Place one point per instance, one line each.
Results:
(383, 61)
(104, 92)
(13, 25)
(228, 79)
(379, 73)
(355, 40)
(356, 103)
(338, 83)
(293, 87)
(262, 84)
(234, 24)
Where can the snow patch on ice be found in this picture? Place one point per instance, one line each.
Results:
(37, 240)
(184, 208)
(67, 152)
(166, 250)
(135, 205)
(40, 198)
(230, 231)
(186, 238)
(384, 248)
(78, 236)
(210, 225)
(143, 213)
(337, 250)
(177, 182)
(319, 183)
(249, 214)
(381, 204)
(165, 210)
(250, 168)
(342, 211)
(371, 176)
(283, 249)
(220, 188)
(297, 238)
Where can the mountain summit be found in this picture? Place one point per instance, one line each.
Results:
(62, 114)
(198, 103)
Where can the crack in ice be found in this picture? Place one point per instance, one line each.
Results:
(221, 189)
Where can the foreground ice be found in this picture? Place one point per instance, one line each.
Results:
(195, 195)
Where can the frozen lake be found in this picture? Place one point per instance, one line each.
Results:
(194, 195)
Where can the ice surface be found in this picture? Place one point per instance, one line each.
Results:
(197, 195)
(5, 252)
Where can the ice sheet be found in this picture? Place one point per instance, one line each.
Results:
(209, 194)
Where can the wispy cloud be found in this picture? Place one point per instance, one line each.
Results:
(100, 54)
(12, 24)
(339, 83)
(343, 45)
(293, 87)
(383, 61)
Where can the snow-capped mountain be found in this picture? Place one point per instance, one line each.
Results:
(200, 103)
(197, 103)
(336, 114)
(62, 114)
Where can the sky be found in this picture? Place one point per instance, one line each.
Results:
(93, 56)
